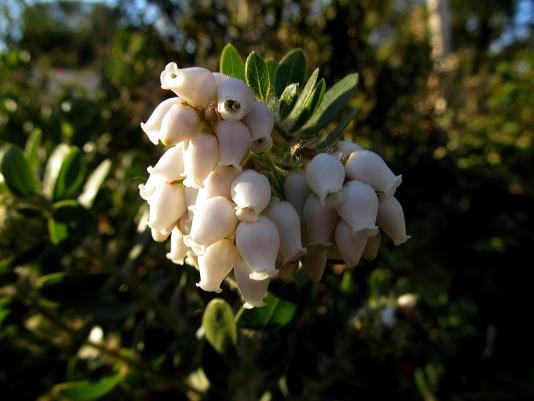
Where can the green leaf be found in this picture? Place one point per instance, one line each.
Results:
(336, 132)
(219, 325)
(53, 166)
(70, 176)
(288, 100)
(279, 310)
(86, 390)
(17, 173)
(70, 288)
(257, 75)
(93, 183)
(231, 63)
(334, 99)
(69, 223)
(272, 65)
(290, 70)
(307, 102)
(32, 148)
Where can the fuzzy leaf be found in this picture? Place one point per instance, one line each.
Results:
(231, 63)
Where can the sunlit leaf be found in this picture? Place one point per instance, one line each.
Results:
(17, 173)
(86, 390)
(257, 75)
(290, 70)
(219, 326)
(231, 63)
(93, 183)
(288, 100)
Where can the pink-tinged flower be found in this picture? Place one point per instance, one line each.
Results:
(178, 124)
(325, 175)
(167, 205)
(178, 248)
(200, 158)
(153, 125)
(234, 99)
(260, 122)
(234, 142)
(251, 193)
(390, 218)
(196, 85)
(216, 263)
(218, 183)
(296, 190)
(319, 221)
(359, 208)
(252, 291)
(373, 246)
(346, 148)
(350, 246)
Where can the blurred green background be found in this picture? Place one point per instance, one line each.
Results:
(91, 309)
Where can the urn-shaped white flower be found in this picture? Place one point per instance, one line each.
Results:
(153, 125)
(234, 99)
(259, 120)
(191, 195)
(350, 246)
(169, 168)
(252, 291)
(372, 247)
(346, 148)
(390, 218)
(234, 142)
(157, 236)
(178, 124)
(167, 205)
(319, 221)
(215, 264)
(251, 193)
(178, 248)
(325, 175)
(200, 158)
(314, 263)
(287, 221)
(359, 208)
(213, 220)
(259, 243)
(196, 85)
(296, 190)
(217, 183)
(366, 166)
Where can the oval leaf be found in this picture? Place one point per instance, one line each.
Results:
(32, 148)
(290, 70)
(86, 390)
(231, 63)
(52, 168)
(334, 99)
(93, 183)
(70, 176)
(306, 103)
(288, 100)
(257, 75)
(17, 172)
(272, 65)
(219, 326)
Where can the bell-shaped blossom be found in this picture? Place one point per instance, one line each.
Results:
(196, 85)
(217, 183)
(314, 263)
(167, 205)
(234, 99)
(259, 120)
(286, 271)
(359, 208)
(390, 218)
(216, 263)
(325, 175)
(178, 124)
(259, 243)
(200, 158)
(157, 236)
(296, 190)
(234, 142)
(214, 220)
(262, 145)
(153, 125)
(287, 221)
(366, 166)
(169, 168)
(252, 291)
(251, 193)
(346, 148)
(350, 246)
(319, 221)
(178, 248)
(191, 195)
(373, 246)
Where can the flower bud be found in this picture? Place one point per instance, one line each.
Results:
(157, 236)
(252, 291)
(259, 243)
(196, 85)
(262, 145)
(234, 142)
(373, 246)
(390, 218)
(368, 167)
(178, 248)
(153, 125)
(178, 124)
(214, 220)
(359, 208)
(167, 205)
(217, 183)
(251, 193)
(234, 99)
(287, 222)
(325, 175)
(319, 221)
(259, 120)
(314, 263)
(296, 190)
(216, 263)
(350, 246)
(200, 158)
(346, 148)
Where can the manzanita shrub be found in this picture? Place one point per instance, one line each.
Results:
(254, 182)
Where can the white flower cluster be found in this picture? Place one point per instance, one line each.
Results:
(223, 217)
